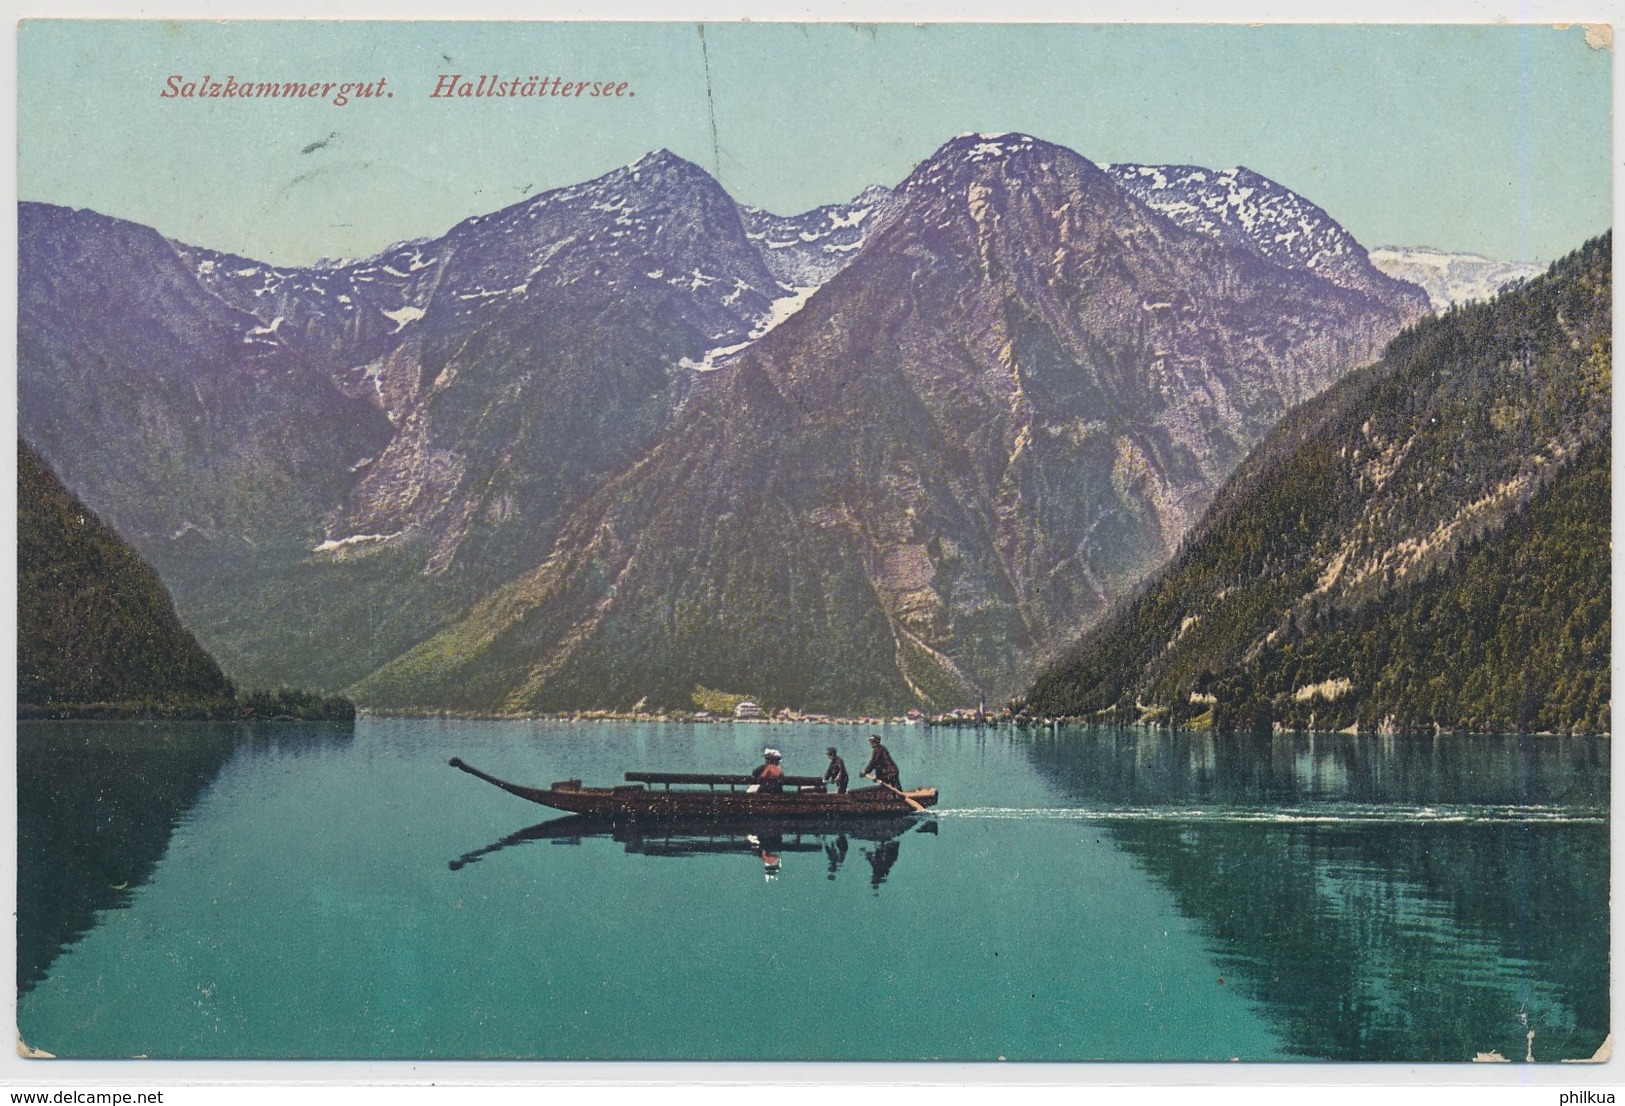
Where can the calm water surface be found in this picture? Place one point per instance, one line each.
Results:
(320, 892)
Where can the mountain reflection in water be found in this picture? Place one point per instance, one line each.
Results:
(1408, 897)
(1092, 894)
(97, 804)
(771, 841)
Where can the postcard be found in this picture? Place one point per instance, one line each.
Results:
(739, 542)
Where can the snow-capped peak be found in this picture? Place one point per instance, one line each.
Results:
(1250, 210)
(1242, 206)
(1451, 278)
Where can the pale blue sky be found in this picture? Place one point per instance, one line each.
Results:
(1488, 139)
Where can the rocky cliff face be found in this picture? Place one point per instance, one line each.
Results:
(1425, 545)
(627, 437)
(162, 405)
(325, 461)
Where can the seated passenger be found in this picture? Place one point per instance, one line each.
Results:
(769, 776)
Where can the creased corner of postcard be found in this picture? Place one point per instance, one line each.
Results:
(1604, 1053)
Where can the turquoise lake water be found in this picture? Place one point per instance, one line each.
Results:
(309, 891)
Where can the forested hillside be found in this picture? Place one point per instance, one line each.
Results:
(97, 633)
(94, 624)
(1426, 545)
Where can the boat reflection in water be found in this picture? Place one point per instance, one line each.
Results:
(772, 841)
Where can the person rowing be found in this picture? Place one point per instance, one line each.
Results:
(881, 767)
(835, 774)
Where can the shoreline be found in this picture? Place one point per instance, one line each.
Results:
(989, 721)
(688, 718)
(994, 722)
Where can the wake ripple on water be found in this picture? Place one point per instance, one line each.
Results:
(1349, 814)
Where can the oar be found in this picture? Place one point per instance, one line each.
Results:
(894, 791)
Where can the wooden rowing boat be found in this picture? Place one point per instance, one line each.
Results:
(668, 795)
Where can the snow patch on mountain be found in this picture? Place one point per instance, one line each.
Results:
(265, 335)
(780, 310)
(808, 249)
(990, 146)
(712, 359)
(1451, 278)
(336, 545)
(403, 315)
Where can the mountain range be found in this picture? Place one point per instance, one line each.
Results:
(631, 436)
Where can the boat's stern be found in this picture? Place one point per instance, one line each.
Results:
(925, 796)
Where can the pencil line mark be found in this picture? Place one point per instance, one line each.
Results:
(716, 147)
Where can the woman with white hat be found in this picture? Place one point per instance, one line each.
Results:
(769, 776)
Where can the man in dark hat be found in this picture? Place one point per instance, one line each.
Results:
(881, 766)
(836, 772)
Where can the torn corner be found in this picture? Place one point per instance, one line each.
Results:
(1599, 36)
(1604, 1053)
(40, 1054)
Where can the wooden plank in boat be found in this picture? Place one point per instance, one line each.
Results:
(714, 778)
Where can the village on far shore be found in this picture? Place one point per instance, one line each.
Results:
(749, 711)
